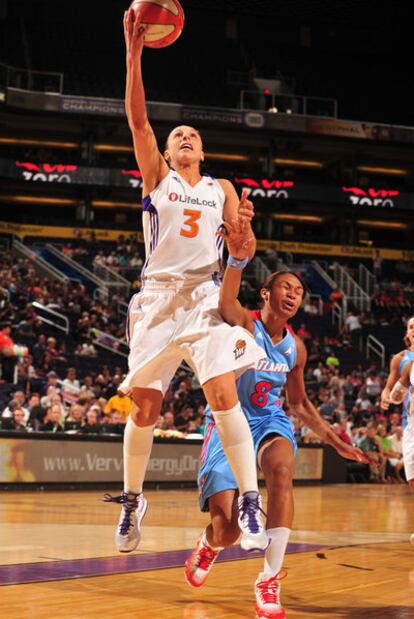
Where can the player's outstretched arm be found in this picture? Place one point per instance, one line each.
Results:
(391, 380)
(151, 163)
(305, 410)
(400, 388)
(239, 240)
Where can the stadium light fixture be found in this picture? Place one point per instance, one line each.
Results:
(304, 218)
(113, 148)
(30, 142)
(226, 157)
(299, 163)
(375, 170)
(113, 204)
(394, 225)
(38, 200)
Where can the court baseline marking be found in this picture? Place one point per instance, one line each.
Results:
(25, 573)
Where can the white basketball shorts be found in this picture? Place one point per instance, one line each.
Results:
(169, 322)
(408, 451)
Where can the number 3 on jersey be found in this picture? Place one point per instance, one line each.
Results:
(191, 222)
(259, 397)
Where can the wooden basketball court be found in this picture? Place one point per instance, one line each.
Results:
(349, 556)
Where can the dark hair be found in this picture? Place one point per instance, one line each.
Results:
(270, 280)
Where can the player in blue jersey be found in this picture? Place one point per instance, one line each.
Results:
(400, 366)
(260, 395)
(396, 368)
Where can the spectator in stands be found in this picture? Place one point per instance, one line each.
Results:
(92, 425)
(318, 371)
(169, 421)
(183, 418)
(74, 419)
(115, 425)
(17, 422)
(8, 357)
(17, 401)
(119, 403)
(112, 388)
(136, 261)
(37, 412)
(51, 347)
(25, 370)
(396, 458)
(332, 360)
(353, 327)
(371, 446)
(39, 349)
(71, 384)
(304, 333)
(52, 420)
(373, 386)
(391, 457)
(326, 409)
(377, 261)
(336, 296)
(341, 430)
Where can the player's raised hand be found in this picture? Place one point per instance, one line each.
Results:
(238, 237)
(246, 209)
(134, 31)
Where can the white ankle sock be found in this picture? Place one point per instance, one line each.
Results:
(276, 550)
(137, 450)
(237, 442)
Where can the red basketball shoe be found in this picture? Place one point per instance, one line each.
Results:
(198, 566)
(267, 590)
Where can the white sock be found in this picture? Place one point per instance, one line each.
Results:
(237, 442)
(276, 550)
(137, 450)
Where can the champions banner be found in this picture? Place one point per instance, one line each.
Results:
(33, 460)
(266, 189)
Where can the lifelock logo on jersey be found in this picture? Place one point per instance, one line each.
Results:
(175, 197)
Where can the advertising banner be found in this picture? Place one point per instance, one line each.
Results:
(270, 189)
(28, 460)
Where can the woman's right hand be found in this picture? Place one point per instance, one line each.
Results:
(134, 32)
(238, 237)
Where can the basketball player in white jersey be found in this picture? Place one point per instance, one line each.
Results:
(175, 316)
(400, 390)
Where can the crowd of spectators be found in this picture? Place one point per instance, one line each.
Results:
(93, 405)
(350, 403)
(47, 398)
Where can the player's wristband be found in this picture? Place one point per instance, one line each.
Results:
(237, 263)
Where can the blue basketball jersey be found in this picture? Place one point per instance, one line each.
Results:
(408, 356)
(259, 392)
(259, 389)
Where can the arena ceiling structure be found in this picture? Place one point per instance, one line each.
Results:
(355, 51)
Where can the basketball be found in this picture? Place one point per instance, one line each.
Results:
(164, 18)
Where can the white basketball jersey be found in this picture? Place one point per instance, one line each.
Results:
(180, 229)
(410, 408)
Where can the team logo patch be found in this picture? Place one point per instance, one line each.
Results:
(239, 349)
